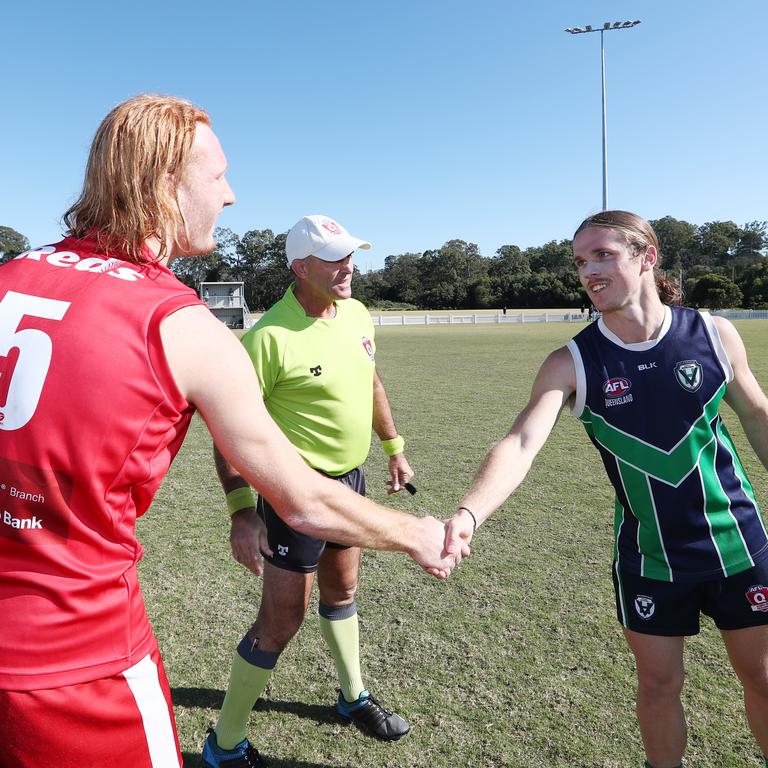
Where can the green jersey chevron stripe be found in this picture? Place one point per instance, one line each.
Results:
(671, 467)
(725, 532)
(696, 451)
(650, 543)
(724, 436)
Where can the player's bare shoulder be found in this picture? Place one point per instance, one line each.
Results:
(555, 383)
(731, 342)
(727, 331)
(559, 371)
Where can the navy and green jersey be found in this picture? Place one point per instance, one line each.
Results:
(316, 376)
(685, 509)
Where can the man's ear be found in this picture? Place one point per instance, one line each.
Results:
(650, 257)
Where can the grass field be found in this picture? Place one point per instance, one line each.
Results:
(516, 660)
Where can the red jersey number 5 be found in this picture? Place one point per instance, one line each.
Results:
(25, 355)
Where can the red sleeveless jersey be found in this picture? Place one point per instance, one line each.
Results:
(90, 420)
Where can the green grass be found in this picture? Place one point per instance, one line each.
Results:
(516, 660)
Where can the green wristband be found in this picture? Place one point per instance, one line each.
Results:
(394, 446)
(240, 498)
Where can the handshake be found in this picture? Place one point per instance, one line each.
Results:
(439, 546)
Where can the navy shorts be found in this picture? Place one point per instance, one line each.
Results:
(672, 609)
(294, 551)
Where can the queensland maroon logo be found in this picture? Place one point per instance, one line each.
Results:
(617, 387)
(331, 226)
(757, 596)
(368, 346)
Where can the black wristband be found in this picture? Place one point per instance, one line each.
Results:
(474, 519)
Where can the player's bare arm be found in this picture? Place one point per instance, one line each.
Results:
(744, 394)
(400, 471)
(247, 532)
(198, 348)
(229, 477)
(507, 463)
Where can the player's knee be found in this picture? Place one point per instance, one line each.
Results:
(755, 681)
(277, 638)
(340, 594)
(659, 683)
(275, 633)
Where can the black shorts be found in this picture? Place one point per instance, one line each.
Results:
(295, 551)
(672, 609)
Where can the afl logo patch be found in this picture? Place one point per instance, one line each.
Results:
(368, 347)
(689, 375)
(617, 387)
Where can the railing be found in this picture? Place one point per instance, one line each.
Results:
(225, 302)
(248, 321)
(479, 318)
(742, 314)
(476, 318)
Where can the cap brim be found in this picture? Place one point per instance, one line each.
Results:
(340, 248)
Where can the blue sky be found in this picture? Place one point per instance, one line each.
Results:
(410, 121)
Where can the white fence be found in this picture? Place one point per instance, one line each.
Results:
(476, 318)
(742, 314)
(479, 318)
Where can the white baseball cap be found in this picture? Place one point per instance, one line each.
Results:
(322, 237)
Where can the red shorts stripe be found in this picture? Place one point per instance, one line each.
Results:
(123, 721)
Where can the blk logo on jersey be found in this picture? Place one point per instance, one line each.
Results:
(368, 347)
(281, 550)
(757, 597)
(317, 370)
(645, 607)
(616, 391)
(689, 374)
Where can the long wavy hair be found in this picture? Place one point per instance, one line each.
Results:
(638, 234)
(129, 191)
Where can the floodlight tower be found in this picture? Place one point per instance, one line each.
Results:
(607, 26)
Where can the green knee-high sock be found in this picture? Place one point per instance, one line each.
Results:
(339, 629)
(251, 670)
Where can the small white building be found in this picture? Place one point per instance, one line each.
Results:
(227, 302)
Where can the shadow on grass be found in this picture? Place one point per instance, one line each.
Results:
(193, 760)
(211, 698)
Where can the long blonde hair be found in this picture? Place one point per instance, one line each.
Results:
(638, 234)
(127, 197)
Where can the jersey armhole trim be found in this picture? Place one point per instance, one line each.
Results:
(717, 345)
(156, 353)
(580, 396)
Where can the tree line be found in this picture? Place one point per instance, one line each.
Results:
(719, 263)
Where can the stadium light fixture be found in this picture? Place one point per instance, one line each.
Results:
(607, 27)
